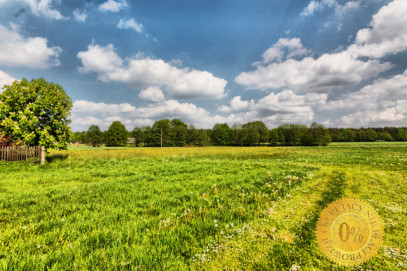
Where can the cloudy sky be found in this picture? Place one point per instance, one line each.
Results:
(342, 63)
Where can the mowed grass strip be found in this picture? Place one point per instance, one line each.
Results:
(178, 208)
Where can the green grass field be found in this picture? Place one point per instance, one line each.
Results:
(195, 208)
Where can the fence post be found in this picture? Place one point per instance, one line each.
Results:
(42, 155)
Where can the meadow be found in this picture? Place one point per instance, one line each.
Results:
(208, 208)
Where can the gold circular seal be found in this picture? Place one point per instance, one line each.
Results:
(349, 231)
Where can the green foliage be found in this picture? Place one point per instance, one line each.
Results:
(139, 136)
(204, 137)
(179, 132)
(116, 135)
(193, 135)
(160, 128)
(274, 137)
(239, 136)
(368, 134)
(401, 134)
(293, 133)
(316, 135)
(176, 133)
(95, 136)
(253, 137)
(36, 113)
(81, 137)
(262, 134)
(221, 134)
(371, 135)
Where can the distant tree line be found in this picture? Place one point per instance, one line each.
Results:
(368, 134)
(175, 133)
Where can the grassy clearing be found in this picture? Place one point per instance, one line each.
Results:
(195, 208)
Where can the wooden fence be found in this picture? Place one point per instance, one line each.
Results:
(22, 154)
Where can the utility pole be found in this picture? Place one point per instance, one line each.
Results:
(161, 138)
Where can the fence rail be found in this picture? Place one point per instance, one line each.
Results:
(22, 154)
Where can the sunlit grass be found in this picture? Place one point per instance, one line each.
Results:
(194, 208)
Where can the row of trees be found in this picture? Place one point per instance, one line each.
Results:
(174, 132)
(368, 134)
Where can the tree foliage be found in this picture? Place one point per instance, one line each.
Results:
(316, 135)
(221, 134)
(138, 135)
(160, 129)
(179, 132)
(258, 132)
(116, 135)
(36, 113)
(292, 133)
(95, 136)
(176, 133)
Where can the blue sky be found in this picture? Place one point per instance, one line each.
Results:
(341, 63)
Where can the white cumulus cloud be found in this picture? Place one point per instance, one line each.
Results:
(5, 79)
(236, 104)
(80, 16)
(113, 6)
(40, 8)
(275, 109)
(284, 48)
(44, 8)
(130, 24)
(287, 103)
(315, 6)
(143, 72)
(152, 94)
(101, 60)
(83, 106)
(31, 52)
(86, 113)
(382, 103)
(387, 34)
(320, 74)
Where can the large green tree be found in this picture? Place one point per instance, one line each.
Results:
(36, 113)
(262, 134)
(179, 131)
(116, 135)
(95, 136)
(161, 129)
(316, 135)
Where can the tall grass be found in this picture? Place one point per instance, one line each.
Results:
(192, 208)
